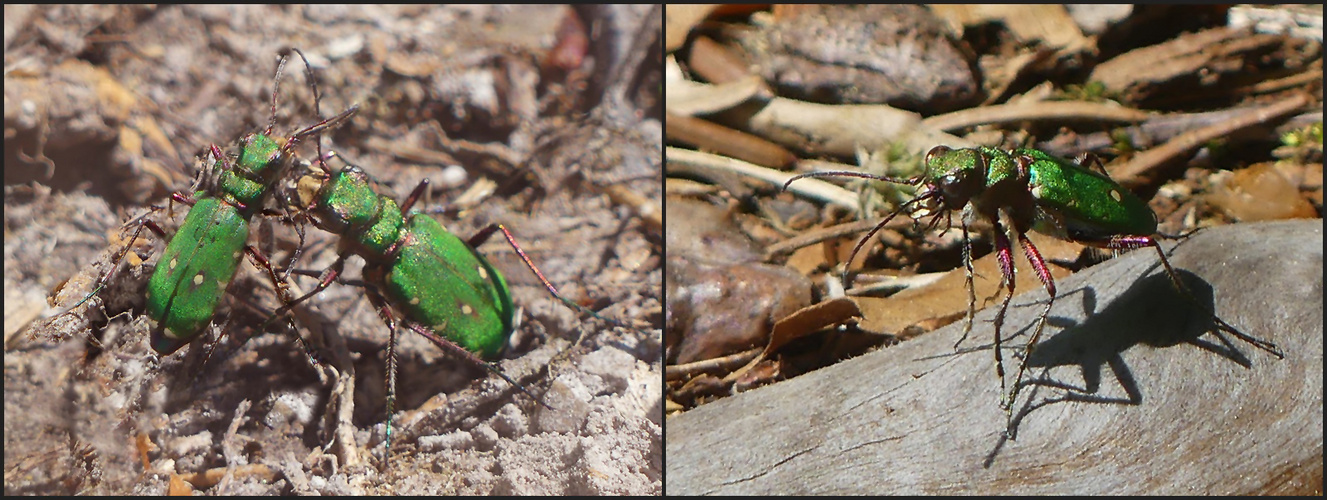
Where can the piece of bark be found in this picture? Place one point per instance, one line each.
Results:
(1205, 417)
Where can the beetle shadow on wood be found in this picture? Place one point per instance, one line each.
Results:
(1150, 312)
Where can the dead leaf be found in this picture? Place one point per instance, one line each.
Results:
(1260, 192)
(948, 297)
(811, 319)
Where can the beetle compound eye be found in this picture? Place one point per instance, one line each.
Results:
(936, 151)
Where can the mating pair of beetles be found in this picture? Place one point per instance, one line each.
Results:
(1023, 190)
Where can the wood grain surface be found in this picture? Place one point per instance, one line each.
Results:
(1134, 394)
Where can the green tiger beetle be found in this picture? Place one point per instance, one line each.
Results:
(199, 262)
(442, 287)
(1023, 190)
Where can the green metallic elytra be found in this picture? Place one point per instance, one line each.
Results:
(202, 258)
(436, 279)
(194, 270)
(1083, 203)
(439, 281)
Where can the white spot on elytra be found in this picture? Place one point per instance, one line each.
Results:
(198, 279)
(482, 273)
(1115, 195)
(467, 310)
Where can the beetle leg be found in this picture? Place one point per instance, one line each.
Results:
(384, 310)
(1004, 255)
(282, 288)
(972, 291)
(1132, 242)
(1043, 273)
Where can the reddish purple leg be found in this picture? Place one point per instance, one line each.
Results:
(328, 276)
(283, 294)
(1044, 274)
(480, 237)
